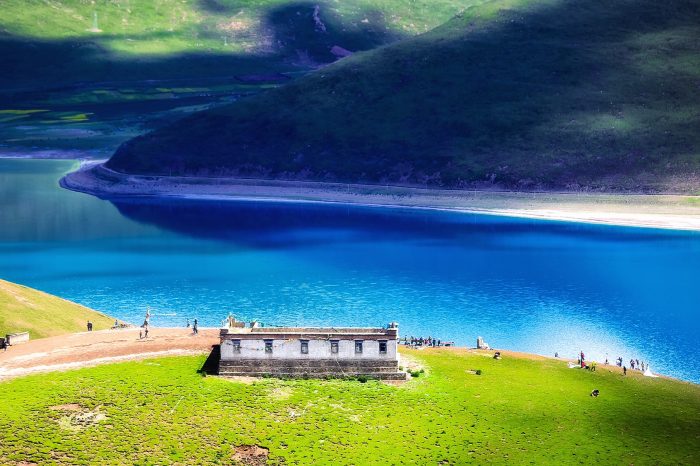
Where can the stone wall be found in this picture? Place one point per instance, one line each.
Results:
(313, 368)
(17, 338)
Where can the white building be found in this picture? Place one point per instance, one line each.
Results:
(309, 351)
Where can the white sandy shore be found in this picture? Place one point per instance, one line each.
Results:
(678, 212)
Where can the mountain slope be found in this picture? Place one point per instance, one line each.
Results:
(54, 43)
(43, 315)
(553, 93)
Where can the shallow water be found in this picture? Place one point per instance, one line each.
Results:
(526, 285)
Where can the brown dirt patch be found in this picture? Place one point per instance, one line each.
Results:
(75, 420)
(251, 455)
(86, 349)
(67, 407)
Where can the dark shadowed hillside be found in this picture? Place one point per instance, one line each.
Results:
(548, 94)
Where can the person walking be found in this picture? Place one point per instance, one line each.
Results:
(624, 370)
(195, 326)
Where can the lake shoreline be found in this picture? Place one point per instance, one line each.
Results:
(664, 211)
(88, 349)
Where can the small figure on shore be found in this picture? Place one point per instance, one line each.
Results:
(140, 334)
(606, 361)
(497, 355)
(624, 370)
(632, 363)
(593, 366)
(637, 361)
(147, 320)
(89, 326)
(188, 323)
(145, 332)
(195, 326)
(556, 354)
(116, 323)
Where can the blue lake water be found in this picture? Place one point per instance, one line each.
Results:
(521, 284)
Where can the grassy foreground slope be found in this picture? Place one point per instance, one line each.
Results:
(43, 315)
(517, 93)
(518, 411)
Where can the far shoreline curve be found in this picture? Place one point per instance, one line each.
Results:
(662, 211)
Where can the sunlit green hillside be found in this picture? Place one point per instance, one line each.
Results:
(24, 309)
(80, 77)
(75, 41)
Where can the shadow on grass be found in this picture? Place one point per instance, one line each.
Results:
(211, 365)
(29, 63)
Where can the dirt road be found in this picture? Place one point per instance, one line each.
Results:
(91, 348)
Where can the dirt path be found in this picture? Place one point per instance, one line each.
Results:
(91, 348)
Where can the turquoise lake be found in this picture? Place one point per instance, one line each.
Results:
(525, 285)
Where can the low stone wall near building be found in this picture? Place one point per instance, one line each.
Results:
(17, 338)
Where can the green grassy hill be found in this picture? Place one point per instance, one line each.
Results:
(53, 43)
(517, 411)
(43, 315)
(81, 77)
(511, 93)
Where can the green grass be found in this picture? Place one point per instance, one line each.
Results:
(512, 93)
(517, 411)
(25, 309)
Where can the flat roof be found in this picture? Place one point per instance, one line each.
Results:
(308, 330)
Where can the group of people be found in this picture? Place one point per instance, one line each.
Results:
(195, 326)
(582, 361)
(142, 333)
(429, 341)
(634, 363)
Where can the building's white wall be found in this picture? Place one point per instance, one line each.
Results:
(318, 349)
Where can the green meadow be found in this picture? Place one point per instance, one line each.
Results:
(518, 411)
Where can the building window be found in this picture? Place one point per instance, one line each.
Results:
(268, 346)
(382, 346)
(304, 346)
(358, 346)
(236, 346)
(334, 346)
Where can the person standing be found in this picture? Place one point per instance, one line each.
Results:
(624, 370)
(89, 326)
(195, 326)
